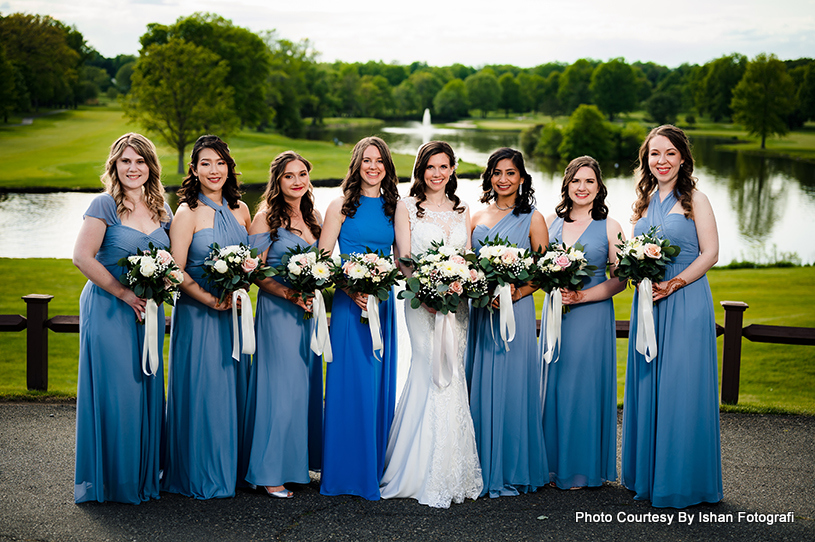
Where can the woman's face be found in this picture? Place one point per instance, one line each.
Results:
(664, 160)
(583, 187)
(132, 169)
(295, 180)
(372, 169)
(506, 179)
(437, 173)
(211, 170)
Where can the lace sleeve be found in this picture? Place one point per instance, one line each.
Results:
(410, 204)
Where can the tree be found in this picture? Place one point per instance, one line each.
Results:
(8, 94)
(375, 96)
(614, 87)
(586, 133)
(662, 107)
(123, 77)
(806, 92)
(510, 94)
(406, 99)
(764, 97)
(483, 91)
(550, 104)
(179, 91)
(451, 101)
(714, 94)
(574, 84)
(427, 85)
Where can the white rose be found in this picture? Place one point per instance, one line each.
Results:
(447, 250)
(148, 267)
(294, 268)
(221, 267)
(134, 259)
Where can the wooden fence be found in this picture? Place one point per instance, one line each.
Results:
(37, 323)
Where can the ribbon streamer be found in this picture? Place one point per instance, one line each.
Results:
(445, 349)
(506, 315)
(373, 324)
(246, 335)
(646, 332)
(150, 353)
(320, 343)
(554, 317)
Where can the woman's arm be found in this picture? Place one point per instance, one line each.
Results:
(328, 239)
(608, 288)
(401, 227)
(88, 242)
(539, 239)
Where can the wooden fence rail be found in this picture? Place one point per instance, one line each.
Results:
(36, 323)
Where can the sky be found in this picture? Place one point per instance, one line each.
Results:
(524, 33)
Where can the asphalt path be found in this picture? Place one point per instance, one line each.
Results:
(769, 476)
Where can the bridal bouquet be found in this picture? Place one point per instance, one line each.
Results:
(309, 271)
(560, 266)
(153, 275)
(505, 264)
(643, 259)
(232, 269)
(442, 277)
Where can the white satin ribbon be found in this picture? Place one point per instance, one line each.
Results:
(646, 332)
(374, 325)
(445, 349)
(506, 315)
(246, 335)
(320, 343)
(554, 317)
(150, 353)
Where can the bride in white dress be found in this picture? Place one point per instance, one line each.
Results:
(431, 454)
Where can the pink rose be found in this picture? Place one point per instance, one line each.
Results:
(164, 257)
(473, 275)
(562, 261)
(381, 270)
(456, 287)
(652, 251)
(509, 257)
(249, 265)
(458, 260)
(370, 257)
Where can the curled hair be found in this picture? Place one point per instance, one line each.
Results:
(278, 210)
(417, 189)
(599, 209)
(352, 183)
(191, 185)
(523, 202)
(152, 189)
(647, 183)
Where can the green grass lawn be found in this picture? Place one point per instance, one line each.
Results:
(773, 377)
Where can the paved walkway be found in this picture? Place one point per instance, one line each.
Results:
(768, 461)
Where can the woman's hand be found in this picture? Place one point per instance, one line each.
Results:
(360, 299)
(572, 297)
(431, 310)
(514, 292)
(295, 297)
(213, 303)
(663, 289)
(138, 304)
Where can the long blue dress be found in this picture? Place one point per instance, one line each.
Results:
(119, 410)
(671, 450)
(360, 391)
(201, 458)
(505, 386)
(580, 391)
(285, 402)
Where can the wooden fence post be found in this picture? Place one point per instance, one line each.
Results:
(37, 341)
(731, 351)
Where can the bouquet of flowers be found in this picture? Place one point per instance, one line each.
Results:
(505, 264)
(442, 277)
(153, 275)
(232, 269)
(642, 259)
(308, 270)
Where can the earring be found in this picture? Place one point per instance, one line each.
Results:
(492, 192)
(521, 190)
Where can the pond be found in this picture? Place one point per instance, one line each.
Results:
(765, 207)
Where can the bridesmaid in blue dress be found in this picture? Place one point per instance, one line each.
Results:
(285, 403)
(504, 385)
(360, 389)
(119, 409)
(201, 458)
(671, 450)
(580, 384)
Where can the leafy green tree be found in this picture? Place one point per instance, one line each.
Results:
(550, 103)
(8, 94)
(714, 94)
(179, 91)
(806, 92)
(551, 137)
(662, 107)
(406, 100)
(529, 138)
(614, 87)
(123, 77)
(764, 97)
(483, 91)
(451, 101)
(586, 133)
(574, 85)
(510, 94)
(427, 85)
(375, 96)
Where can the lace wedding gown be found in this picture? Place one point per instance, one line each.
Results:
(431, 454)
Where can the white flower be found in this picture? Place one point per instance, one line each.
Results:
(447, 250)
(221, 267)
(134, 259)
(357, 272)
(528, 261)
(320, 271)
(148, 267)
(294, 268)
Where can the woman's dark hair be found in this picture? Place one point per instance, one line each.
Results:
(647, 183)
(523, 201)
(599, 209)
(191, 186)
(278, 210)
(417, 189)
(352, 183)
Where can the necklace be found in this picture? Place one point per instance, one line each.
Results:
(442, 202)
(503, 208)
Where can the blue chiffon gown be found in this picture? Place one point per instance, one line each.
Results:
(671, 449)
(119, 409)
(285, 402)
(580, 388)
(504, 386)
(201, 458)
(360, 389)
